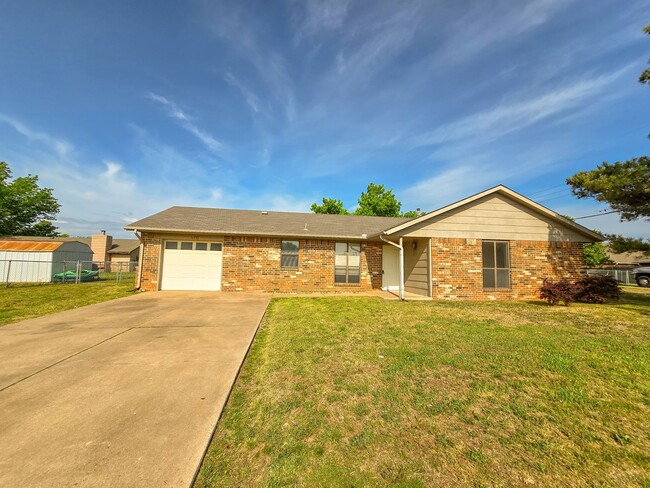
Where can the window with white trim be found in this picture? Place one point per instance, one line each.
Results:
(347, 263)
(496, 265)
(289, 254)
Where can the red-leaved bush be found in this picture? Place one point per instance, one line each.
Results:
(597, 289)
(555, 292)
(587, 289)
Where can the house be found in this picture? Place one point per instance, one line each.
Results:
(496, 244)
(111, 254)
(627, 259)
(38, 259)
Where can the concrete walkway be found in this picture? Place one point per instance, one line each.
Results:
(123, 393)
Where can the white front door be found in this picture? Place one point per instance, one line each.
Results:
(390, 267)
(191, 265)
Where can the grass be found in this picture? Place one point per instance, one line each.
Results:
(22, 301)
(366, 392)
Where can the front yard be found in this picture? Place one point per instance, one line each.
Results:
(366, 392)
(28, 300)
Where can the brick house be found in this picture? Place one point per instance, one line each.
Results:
(496, 244)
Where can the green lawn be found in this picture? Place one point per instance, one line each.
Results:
(26, 300)
(366, 392)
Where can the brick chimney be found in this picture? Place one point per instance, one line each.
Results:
(100, 245)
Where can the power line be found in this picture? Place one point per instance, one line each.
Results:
(596, 215)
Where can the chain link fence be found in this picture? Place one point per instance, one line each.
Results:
(622, 275)
(67, 272)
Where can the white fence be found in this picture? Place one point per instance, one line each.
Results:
(26, 271)
(622, 275)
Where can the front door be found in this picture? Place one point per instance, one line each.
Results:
(390, 267)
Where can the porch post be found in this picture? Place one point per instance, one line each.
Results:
(401, 268)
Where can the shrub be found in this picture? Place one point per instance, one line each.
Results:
(597, 289)
(555, 292)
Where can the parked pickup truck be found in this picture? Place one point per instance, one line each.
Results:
(642, 276)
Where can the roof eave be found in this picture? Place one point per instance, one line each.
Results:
(263, 234)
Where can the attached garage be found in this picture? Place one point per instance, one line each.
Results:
(191, 265)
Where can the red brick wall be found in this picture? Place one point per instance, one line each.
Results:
(150, 261)
(457, 267)
(253, 263)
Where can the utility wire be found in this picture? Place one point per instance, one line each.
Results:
(596, 215)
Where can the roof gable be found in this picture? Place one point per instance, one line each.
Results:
(555, 223)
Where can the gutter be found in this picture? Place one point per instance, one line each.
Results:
(401, 263)
(138, 279)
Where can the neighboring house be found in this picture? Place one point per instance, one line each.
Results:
(627, 259)
(114, 253)
(496, 244)
(37, 259)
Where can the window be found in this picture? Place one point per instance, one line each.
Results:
(201, 246)
(496, 264)
(215, 247)
(171, 245)
(186, 246)
(347, 263)
(289, 255)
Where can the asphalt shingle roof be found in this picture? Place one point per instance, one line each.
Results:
(257, 222)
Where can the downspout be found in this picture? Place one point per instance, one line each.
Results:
(401, 263)
(138, 279)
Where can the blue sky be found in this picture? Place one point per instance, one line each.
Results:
(127, 108)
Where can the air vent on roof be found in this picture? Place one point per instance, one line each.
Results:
(264, 212)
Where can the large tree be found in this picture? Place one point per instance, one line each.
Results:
(25, 208)
(376, 201)
(329, 206)
(624, 186)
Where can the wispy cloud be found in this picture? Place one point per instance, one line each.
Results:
(62, 147)
(175, 112)
(241, 30)
(319, 17)
(476, 32)
(250, 98)
(513, 115)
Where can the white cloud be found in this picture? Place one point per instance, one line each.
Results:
(477, 31)
(177, 113)
(320, 17)
(60, 146)
(513, 115)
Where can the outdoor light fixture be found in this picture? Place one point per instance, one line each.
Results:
(414, 244)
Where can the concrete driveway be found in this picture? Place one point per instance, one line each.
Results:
(123, 393)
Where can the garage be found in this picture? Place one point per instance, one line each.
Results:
(191, 265)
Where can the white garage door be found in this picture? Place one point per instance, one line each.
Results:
(191, 265)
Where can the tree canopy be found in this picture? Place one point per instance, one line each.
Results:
(25, 208)
(645, 76)
(376, 201)
(329, 206)
(624, 186)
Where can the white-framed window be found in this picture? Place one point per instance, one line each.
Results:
(289, 254)
(347, 263)
(496, 265)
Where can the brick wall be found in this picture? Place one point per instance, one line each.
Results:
(150, 261)
(457, 267)
(253, 263)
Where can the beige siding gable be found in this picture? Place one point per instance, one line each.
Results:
(496, 216)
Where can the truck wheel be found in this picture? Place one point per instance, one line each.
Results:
(643, 281)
